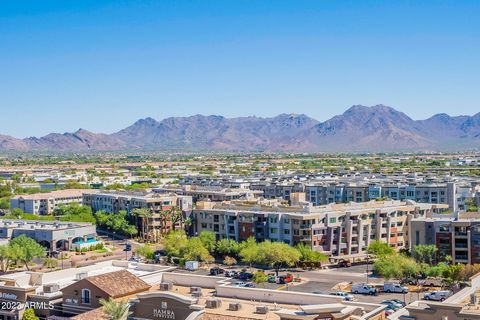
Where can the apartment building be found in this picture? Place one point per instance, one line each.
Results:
(45, 203)
(335, 229)
(445, 193)
(278, 190)
(150, 226)
(200, 193)
(455, 235)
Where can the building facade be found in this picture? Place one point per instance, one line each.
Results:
(46, 203)
(337, 230)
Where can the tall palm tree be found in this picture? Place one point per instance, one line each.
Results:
(115, 310)
(176, 215)
(143, 214)
(163, 218)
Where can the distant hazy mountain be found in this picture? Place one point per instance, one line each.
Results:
(360, 128)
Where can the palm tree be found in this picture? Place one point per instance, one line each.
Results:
(187, 222)
(144, 214)
(176, 215)
(163, 218)
(115, 310)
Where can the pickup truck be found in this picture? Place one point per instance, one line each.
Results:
(363, 288)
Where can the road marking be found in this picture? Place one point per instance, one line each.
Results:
(282, 288)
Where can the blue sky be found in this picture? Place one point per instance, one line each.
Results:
(101, 65)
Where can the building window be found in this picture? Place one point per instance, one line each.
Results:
(332, 220)
(86, 296)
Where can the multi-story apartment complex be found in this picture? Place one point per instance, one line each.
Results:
(455, 235)
(445, 193)
(45, 203)
(324, 188)
(161, 208)
(335, 229)
(199, 193)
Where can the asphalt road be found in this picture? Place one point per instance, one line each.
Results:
(322, 281)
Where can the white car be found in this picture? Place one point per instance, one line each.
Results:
(438, 295)
(394, 288)
(345, 295)
(363, 288)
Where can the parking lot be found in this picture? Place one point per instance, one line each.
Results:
(324, 281)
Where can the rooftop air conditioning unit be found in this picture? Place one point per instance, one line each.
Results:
(261, 309)
(195, 289)
(81, 275)
(234, 306)
(51, 288)
(213, 303)
(166, 286)
(197, 294)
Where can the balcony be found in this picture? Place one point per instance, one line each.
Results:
(461, 233)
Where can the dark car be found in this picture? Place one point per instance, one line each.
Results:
(216, 271)
(344, 263)
(245, 275)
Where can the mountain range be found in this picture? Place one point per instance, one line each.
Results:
(359, 129)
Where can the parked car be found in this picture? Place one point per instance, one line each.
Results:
(363, 289)
(390, 305)
(440, 295)
(245, 275)
(247, 285)
(394, 288)
(413, 281)
(344, 263)
(395, 305)
(433, 282)
(272, 278)
(389, 311)
(134, 259)
(285, 279)
(239, 283)
(216, 271)
(231, 273)
(399, 302)
(345, 295)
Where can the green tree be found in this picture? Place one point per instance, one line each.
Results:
(453, 274)
(175, 243)
(208, 240)
(29, 314)
(27, 249)
(380, 249)
(424, 253)
(195, 250)
(146, 251)
(227, 247)
(396, 267)
(308, 255)
(277, 255)
(115, 310)
(8, 254)
(229, 261)
(50, 263)
(74, 212)
(4, 204)
(260, 277)
(116, 222)
(72, 184)
(249, 251)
